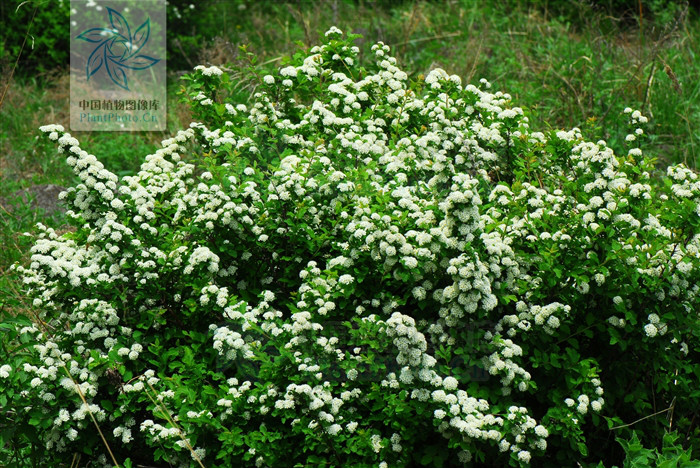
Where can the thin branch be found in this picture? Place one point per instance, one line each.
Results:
(169, 418)
(9, 79)
(645, 417)
(92, 416)
(423, 39)
(272, 60)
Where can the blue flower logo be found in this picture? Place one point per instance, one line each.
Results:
(118, 49)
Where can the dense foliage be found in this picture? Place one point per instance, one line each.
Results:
(44, 29)
(358, 270)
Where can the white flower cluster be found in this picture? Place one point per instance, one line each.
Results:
(549, 317)
(655, 326)
(209, 71)
(583, 402)
(412, 346)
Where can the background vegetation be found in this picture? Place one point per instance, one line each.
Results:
(571, 64)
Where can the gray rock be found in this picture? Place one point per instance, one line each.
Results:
(39, 197)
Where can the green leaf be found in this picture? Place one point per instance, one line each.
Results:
(583, 450)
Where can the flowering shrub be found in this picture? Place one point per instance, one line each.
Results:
(357, 270)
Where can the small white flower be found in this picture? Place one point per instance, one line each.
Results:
(650, 330)
(541, 431)
(450, 383)
(346, 279)
(333, 30)
(524, 456)
(334, 429)
(376, 441)
(464, 456)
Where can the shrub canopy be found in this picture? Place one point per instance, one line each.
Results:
(358, 270)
